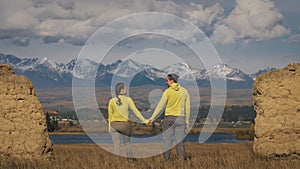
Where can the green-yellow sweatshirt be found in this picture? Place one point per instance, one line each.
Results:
(120, 113)
(177, 101)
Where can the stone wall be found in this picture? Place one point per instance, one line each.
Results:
(23, 130)
(276, 97)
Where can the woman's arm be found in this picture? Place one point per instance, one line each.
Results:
(110, 112)
(135, 110)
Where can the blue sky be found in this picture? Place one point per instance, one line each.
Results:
(247, 34)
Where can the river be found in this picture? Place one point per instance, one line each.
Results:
(106, 139)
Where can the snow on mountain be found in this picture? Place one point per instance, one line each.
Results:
(43, 68)
(26, 63)
(219, 71)
(9, 59)
(70, 65)
(223, 70)
(254, 75)
(84, 68)
(30, 63)
(46, 63)
(43, 73)
(127, 68)
(154, 73)
(130, 68)
(183, 70)
(113, 66)
(201, 74)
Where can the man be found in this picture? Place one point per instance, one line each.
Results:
(177, 114)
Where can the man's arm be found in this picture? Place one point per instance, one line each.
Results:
(159, 107)
(187, 109)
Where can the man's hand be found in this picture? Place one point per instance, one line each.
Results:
(146, 121)
(150, 122)
(186, 127)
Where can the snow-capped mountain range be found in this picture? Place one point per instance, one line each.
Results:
(45, 73)
(254, 75)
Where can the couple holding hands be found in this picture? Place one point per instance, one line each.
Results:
(176, 121)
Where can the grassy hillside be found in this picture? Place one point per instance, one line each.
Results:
(201, 156)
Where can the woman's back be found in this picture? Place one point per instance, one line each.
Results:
(119, 112)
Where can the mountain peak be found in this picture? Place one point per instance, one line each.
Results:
(116, 62)
(254, 75)
(127, 68)
(223, 66)
(269, 68)
(181, 69)
(43, 59)
(179, 64)
(130, 62)
(44, 68)
(223, 69)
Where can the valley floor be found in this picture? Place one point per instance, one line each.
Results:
(206, 156)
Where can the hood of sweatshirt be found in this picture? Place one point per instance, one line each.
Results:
(175, 86)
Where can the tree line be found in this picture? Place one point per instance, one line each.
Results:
(230, 113)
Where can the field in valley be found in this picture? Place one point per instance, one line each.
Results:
(62, 98)
(91, 156)
(200, 156)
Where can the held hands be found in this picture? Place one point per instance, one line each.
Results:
(186, 127)
(148, 122)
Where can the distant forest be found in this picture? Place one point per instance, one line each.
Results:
(231, 113)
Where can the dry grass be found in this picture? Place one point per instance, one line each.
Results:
(206, 156)
(61, 98)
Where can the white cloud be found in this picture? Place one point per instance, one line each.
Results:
(67, 30)
(251, 20)
(67, 4)
(224, 34)
(74, 21)
(206, 18)
(70, 21)
(294, 38)
(16, 26)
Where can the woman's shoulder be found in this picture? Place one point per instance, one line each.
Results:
(125, 97)
(111, 100)
(122, 97)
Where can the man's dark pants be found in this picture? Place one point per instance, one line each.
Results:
(173, 128)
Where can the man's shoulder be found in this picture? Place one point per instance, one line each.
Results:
(167, 89)
(184, 90)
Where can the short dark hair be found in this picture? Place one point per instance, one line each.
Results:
(173, 77)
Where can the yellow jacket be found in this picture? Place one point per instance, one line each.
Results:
(120, 113)
(177, 101)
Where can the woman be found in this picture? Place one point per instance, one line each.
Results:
(118, 118)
